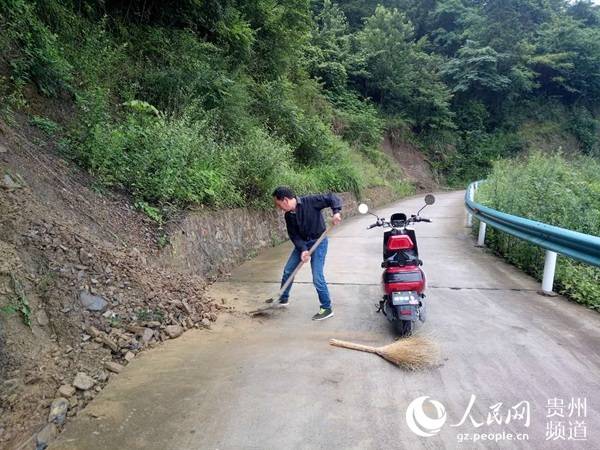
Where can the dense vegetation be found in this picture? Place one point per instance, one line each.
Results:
(215, 102)
(549, 189)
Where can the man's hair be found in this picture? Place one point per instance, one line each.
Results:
(283, 192)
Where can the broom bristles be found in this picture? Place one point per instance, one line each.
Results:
(413, 353)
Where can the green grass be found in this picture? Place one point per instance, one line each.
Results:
(18, 302)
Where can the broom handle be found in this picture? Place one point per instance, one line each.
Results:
(353, 346)
(299, 266)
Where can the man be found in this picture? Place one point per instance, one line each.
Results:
(305, 225)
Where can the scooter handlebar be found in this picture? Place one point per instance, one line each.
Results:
(418, 219)
(412, 219)
(380, 223)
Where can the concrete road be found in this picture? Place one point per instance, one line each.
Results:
(517, 370)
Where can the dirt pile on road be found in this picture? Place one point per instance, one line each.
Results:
(80, 293)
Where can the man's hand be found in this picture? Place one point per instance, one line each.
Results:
(305, 257)
(337, 218)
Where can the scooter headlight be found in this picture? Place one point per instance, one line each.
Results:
(405, 298)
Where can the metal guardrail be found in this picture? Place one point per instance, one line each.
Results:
(555, 240)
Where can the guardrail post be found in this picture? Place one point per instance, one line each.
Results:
(469, 215)
(481, 238)
(549, 269)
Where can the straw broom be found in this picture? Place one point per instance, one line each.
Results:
(413, 353)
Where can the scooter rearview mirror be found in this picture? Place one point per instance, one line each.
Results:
(363, 208)
(429, 200)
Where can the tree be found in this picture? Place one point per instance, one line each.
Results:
(396, 72)
(446, 25)
(586, 12)
(330, 51)
(508, 22)
(474, 71)
(567, 60)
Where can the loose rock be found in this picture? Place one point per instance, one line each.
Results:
(102, 376)
(8, 183)
(109, 342)
(139, 331)
(92, 331)
(129, 356)
(83, 381)
(174, 331)
(58, 411)
(92, 302)
(85, 257)
(42, 318)
(44, 437)
(148, 334)
(113, 366)
(109, 314)
(66, 390)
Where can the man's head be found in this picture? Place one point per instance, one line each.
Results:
(284, 198)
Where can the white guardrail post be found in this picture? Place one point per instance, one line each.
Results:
(549, 269)
(481, 237)
(472, 198)
(482, 224)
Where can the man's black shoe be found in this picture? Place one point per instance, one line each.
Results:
(284, 301)
(323, 314)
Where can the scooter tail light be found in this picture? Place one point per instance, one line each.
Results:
(400, 242)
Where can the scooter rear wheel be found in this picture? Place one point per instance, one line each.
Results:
(403, 327)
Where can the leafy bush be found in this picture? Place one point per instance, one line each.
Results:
(579, 282)
(158, 159)
(475, 154)
(203, 103)
(358, 122)
(46, 125)
(257, 162)
(552, 190)
(586, 129)
(172, 67)
(37, 56)
(11, 98)
(306, 133)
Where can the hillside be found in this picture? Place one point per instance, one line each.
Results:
(79, 286)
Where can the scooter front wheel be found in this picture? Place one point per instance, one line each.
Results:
(404, 327)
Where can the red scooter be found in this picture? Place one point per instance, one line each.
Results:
(403, 281)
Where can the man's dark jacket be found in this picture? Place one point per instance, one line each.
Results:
(307, 223)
